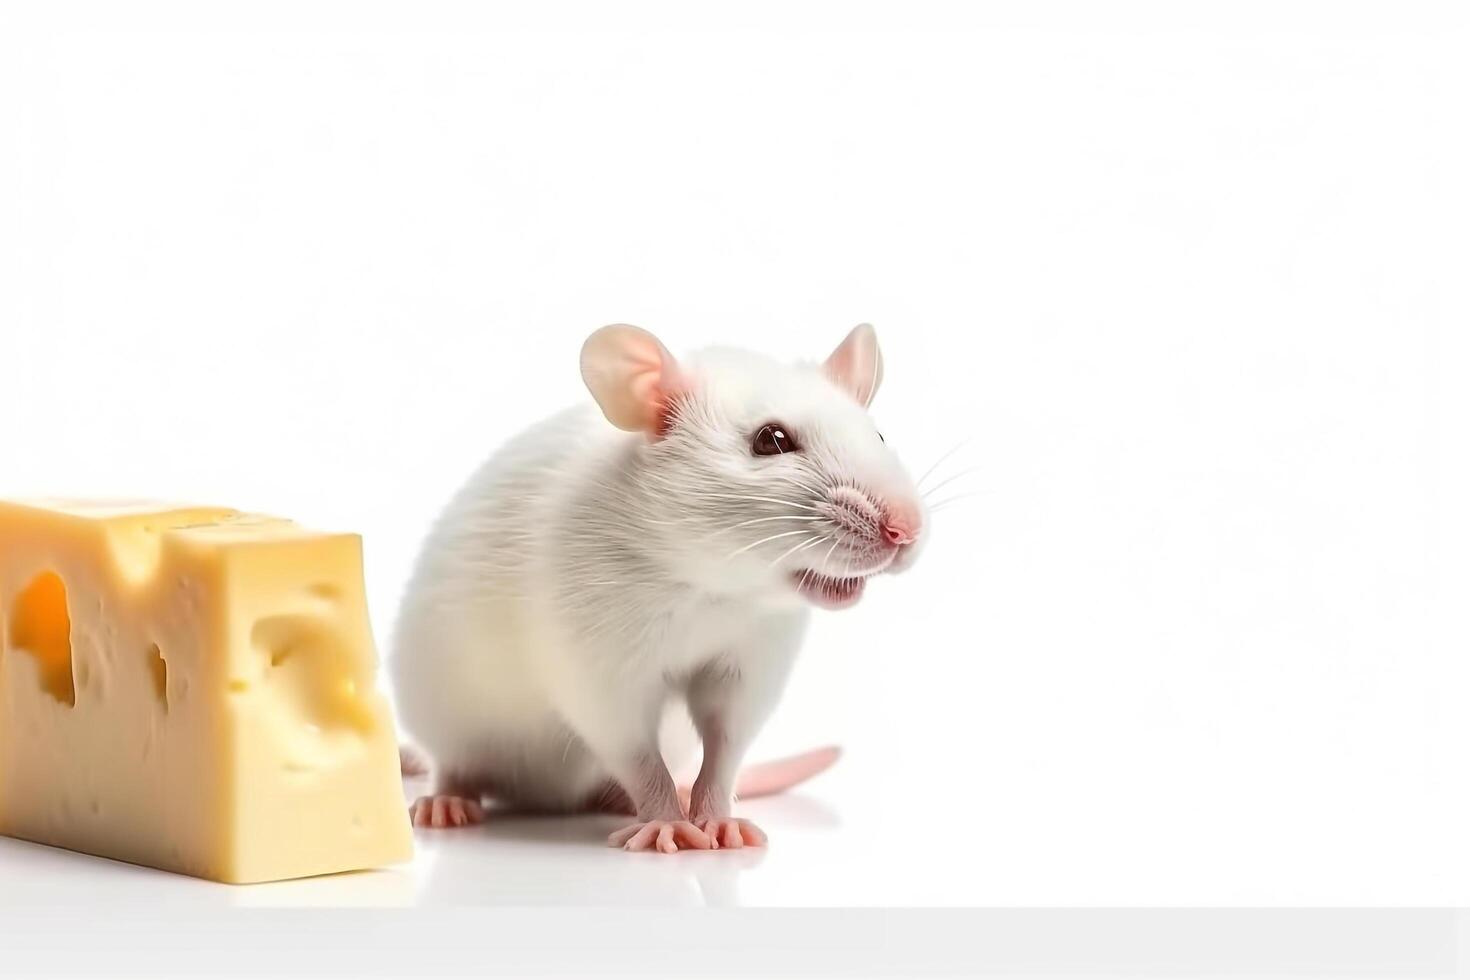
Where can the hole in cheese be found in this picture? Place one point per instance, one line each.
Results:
(313, 671)
(136, 549)
(137, 543)
(158, 668)
(41, 625)
(326, 591)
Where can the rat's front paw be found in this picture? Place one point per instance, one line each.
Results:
(445, 810)
(731, 832)
(667, 836)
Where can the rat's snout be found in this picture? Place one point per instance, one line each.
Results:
(898, 532)
(903, 530)
(856, 513)
(901, 525)
(890, 525)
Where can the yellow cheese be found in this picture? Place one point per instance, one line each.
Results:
(192, 690)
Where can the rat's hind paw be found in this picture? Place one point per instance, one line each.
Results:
(445, 811)
(731, 832)
(667, 836)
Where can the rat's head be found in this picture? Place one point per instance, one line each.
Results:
(763, 475)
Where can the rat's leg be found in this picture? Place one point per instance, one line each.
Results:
(450, 805)
(455, 802)
(660, 823)
(619, 723)
(729, 700)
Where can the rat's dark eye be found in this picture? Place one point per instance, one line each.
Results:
(772, 440)
(880, 438)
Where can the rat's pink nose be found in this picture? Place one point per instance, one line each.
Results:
(899, 530)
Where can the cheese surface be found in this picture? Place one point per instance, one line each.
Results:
(192, 689)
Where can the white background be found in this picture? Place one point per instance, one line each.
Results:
(1187, 280)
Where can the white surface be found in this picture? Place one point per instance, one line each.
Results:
(1189, 279)
(824, 853)
(643, 942)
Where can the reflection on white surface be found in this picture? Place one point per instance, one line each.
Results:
(509, 860)
(497, 896)
(880, 852)
(530, 861)
(539, 860)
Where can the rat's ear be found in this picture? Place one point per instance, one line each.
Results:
(631, 375)
(857, 364)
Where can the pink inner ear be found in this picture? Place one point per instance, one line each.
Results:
(661, 405)
(632, 376)
(645, 394)
(657, 392)
(857, 364)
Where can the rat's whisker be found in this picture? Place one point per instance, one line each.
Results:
(808, 486)
(780, 517)
(753, 544)
(927, 473)
(940, 505)
(828, 556)
(947, 480)
(809, 542)
(767, 500)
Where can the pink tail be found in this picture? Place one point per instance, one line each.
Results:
(779, 775)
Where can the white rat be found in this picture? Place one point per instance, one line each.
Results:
(596, 587)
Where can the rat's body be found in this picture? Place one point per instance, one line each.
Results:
(497, 651)
(589, 584)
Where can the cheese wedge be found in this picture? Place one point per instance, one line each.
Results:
(192, 689)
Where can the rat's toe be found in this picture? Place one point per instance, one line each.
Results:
(440, 812)
(665, 836)
(732, 832)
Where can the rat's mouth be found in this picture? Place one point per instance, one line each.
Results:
(829, 592)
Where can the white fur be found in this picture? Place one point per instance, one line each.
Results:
(587, 584)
